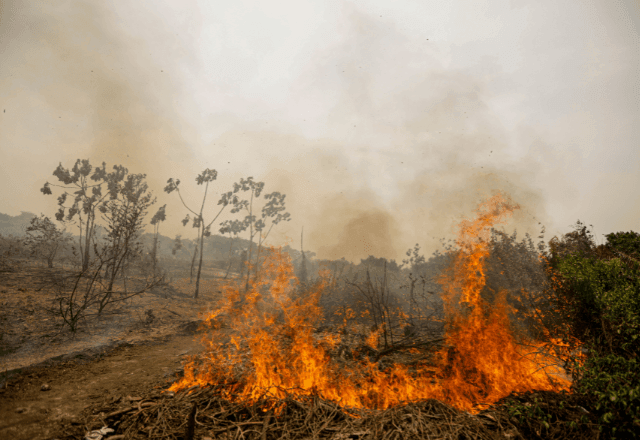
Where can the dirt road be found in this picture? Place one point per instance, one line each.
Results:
(29, 413)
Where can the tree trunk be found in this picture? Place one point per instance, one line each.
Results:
(246, 287)
(258, 266)
(155, 250)
(193, 262)
(200, 263)
(87, 240)
(230, 261)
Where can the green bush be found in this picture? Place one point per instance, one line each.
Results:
(613, 382)
(626, 242)
(605, 297)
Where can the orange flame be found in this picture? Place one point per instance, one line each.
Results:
(269, 350)
(486, 363)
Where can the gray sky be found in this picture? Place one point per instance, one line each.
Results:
(384, 122)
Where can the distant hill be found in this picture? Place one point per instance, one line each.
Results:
(17, 225)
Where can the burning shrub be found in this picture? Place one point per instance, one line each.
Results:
(514, 267)
(269, 349)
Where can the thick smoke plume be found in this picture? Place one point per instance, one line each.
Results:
(400, 146)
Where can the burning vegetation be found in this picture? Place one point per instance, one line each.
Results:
(262, 342)
(490, 340)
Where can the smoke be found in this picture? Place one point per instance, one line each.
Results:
(413, 151)
(378, 145)
(93, 89)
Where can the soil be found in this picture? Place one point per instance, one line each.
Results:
(125, 373)
(51, 378)
(49, 374)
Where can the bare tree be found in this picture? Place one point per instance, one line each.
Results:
(86, 293)
(204, 230)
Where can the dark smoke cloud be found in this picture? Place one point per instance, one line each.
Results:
(352, 229)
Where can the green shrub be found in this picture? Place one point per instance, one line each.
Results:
(626, 242)
(613, 382)
(605, 297)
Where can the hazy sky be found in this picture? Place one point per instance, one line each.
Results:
(384, 122)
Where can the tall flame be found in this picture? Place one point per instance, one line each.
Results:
(268, 348)
(486, 363)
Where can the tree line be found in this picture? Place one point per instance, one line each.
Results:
(119, 201)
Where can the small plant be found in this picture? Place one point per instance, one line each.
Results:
(530, 413)
(11, 248)
(546, 414)
(45, 240)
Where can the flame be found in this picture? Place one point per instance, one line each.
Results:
(486, 363)
(267, 347)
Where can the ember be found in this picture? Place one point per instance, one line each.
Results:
(261, 344)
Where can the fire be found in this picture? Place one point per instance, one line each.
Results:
(263, 345)
(486, 363)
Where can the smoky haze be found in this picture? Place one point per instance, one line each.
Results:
(378, 131)
(94, 92)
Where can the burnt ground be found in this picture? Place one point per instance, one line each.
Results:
(58, 384)
(118, 356)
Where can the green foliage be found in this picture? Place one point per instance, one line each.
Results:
(607, 302)
(627, 242)
(613, 382)
(578, 242)
(605, 298)
(529, 412)
(549, 415)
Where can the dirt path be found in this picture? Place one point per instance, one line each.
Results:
(126, 372)
(136, 345)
